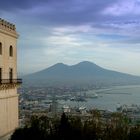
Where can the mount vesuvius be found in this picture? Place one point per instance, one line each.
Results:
(82, 74)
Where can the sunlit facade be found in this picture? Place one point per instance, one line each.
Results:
(8, 78)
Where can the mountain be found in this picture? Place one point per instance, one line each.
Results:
(82, 74)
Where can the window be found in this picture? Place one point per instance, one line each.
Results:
(10, 74)
(11, 51)
(0, 73)
(0, 48)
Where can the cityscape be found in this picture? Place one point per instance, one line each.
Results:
(55, 101)
(70, 70)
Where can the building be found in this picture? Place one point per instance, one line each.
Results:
(8, 78)
(66, 109)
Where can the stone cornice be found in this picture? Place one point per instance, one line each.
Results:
(9, 86)
(11, 96)
(8, 32)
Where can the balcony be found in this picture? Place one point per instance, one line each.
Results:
(10, 81)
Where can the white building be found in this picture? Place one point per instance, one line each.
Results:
(8, 78)
(66, 109)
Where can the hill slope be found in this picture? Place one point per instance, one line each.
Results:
(83, 73)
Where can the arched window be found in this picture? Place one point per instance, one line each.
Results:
(0, 48)
(11, 51)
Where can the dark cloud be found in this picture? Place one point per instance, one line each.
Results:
(54, 12)
(63, 12)
(8, 5)
(74, 11)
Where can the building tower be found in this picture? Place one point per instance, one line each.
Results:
(8, 78)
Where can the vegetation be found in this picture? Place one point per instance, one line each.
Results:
(69, 128)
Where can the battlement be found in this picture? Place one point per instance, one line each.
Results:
(7, 25)
(8, 28)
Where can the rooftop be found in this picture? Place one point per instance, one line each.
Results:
(6, 24)
(8, 28)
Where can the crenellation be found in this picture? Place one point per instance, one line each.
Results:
(7, 25)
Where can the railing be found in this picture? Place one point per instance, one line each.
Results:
(10, 81)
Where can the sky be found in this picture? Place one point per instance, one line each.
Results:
(105, 32)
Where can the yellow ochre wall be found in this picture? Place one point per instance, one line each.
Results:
(8, 93)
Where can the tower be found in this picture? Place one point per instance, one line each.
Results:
(8, 78)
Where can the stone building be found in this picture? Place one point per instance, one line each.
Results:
(8, 78)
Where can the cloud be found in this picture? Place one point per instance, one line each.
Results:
(54, 12)
(124, 7)
(14, 5)
(69, 31)
(61, 40)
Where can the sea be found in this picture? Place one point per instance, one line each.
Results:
(108, 98)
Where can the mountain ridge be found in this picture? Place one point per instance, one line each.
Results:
(84, 72)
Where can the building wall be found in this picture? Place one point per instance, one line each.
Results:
(8, 91)
(8, 111)
(6, 61)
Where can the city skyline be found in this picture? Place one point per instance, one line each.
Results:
(104, 32)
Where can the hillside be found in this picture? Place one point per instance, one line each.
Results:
(83, 73)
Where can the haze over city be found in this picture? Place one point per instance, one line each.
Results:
(70, 31)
